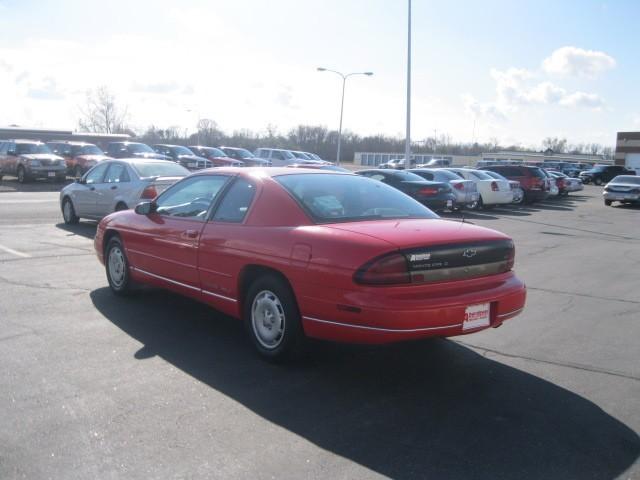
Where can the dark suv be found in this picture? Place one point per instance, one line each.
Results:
(533, 181)
(183, 156)
(604, 173)
(133, 150)
(30, 159)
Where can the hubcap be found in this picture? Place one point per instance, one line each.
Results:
(267, 319)
(116, 266)
(21, 175)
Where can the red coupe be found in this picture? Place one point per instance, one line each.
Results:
(301, 253)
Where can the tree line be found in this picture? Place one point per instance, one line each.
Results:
(102, 114)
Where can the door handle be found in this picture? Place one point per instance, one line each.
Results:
(114, 187)
(191, 233)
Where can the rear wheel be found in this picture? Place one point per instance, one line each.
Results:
(121, 206)
(272, 318)
(597, 181)
(68, 212)
(117, 267)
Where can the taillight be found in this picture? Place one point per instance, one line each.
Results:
(387, 270)
(494, 186)
(428, 191)
(511, 258)
(149, 192)
(458, 186)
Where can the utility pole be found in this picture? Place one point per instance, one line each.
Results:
(407, 145)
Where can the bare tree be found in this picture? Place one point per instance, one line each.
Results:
(101, 114)
(558, 145)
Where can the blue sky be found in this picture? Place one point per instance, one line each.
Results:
(519, 71)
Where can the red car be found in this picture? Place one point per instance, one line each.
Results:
(217, 156)
(79, 156)
(301, 253)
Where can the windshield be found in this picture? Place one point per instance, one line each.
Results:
(481, 175)
(243, 153)
(159, 169)
(87, 150)
(302, 155)
(30, 148)
(139, 148)
(181, 151)
(495, 175)
(333, 198)
(445, 175)
(626, 179)
(313, 156)
(408, 176)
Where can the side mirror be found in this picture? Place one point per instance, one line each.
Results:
(145, 208)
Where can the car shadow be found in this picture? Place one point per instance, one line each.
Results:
(431, 409)
(84, 229)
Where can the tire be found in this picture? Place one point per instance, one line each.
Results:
(597, 181)
(272, 319)
(22, 175)
(69, 212)
(116, 266)
(608, 203)
(121, 206)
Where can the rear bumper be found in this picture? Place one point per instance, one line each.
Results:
(535, 195)
(621, 196)
(386, 315)
(440, 202)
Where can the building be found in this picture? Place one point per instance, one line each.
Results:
(628, 149)
(47, 135)
(373, 159)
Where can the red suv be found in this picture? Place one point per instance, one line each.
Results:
(79, 156)
(532, 180)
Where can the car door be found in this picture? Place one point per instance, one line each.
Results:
(85, 196)
(223, 245)
(164, 245)
(115, 181)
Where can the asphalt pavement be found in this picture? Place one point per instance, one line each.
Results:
(157, 386)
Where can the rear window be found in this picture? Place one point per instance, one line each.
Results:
(626, 179)
(537, 172)
(160, 169)
(330, 198)
(481, 175)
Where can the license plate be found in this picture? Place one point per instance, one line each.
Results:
(192, 165)
(51, 174)
(449, 203)
(476, 316)
(474, 197)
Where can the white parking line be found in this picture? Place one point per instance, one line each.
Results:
(29, 200)
(14, 252)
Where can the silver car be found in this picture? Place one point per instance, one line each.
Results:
(623, 189)
(465, 191)
(518, 192)
(117, 184)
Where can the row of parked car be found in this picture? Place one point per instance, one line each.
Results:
(32, 159)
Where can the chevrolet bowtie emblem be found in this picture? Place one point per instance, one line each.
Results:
(469, 252)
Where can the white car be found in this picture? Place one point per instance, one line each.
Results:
(492, 190)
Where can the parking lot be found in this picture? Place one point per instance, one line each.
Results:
(158, 386)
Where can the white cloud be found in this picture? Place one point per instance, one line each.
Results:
(582, 100)
(577, 61)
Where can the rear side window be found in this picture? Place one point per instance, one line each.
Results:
(236, 202)
(117, 174)
(537, 172)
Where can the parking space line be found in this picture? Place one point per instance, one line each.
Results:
(14, 252)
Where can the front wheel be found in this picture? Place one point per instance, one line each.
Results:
(117, 267)
(22, 175)
(608, 203)
(597, 181)
(69, 213)
(272, 318)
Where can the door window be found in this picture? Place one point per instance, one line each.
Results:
(236, 202)
(117, 174)
(95, 174)
(192, 197)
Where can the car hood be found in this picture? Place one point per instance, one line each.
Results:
(41, 156)
(95, 157)
(151, 155)
(412, 233)
(193, 158)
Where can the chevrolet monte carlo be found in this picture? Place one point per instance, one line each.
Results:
(301, 253)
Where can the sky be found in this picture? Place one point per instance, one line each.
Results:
(516, 71)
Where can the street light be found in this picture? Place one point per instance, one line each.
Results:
(344, 81)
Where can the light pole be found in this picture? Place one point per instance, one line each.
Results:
(407, 142)
(344, 81)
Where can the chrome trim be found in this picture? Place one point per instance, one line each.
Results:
(165, 279)
(363, 327)
(229, 299)
(512, 312)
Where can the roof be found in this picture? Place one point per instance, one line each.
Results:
(271, 171)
